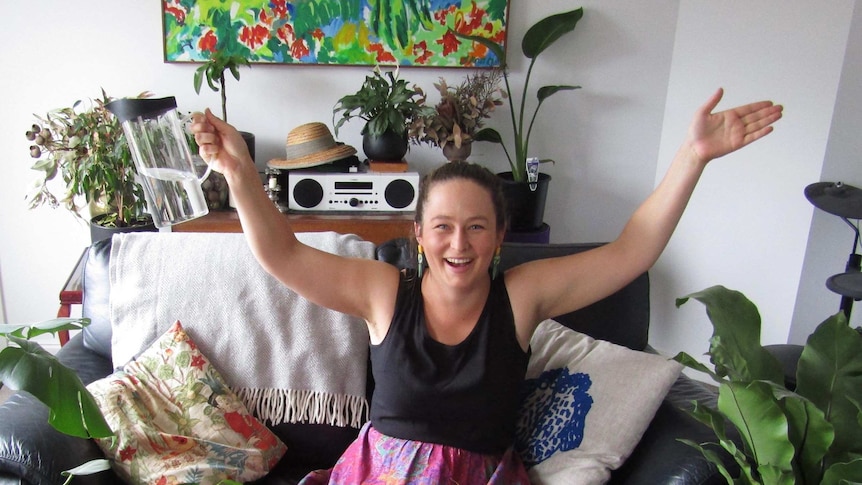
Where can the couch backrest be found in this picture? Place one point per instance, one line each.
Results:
(97, 298)
(622, 318)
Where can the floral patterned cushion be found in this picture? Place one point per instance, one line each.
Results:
(176, 421)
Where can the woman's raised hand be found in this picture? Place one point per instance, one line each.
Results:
(712, 135)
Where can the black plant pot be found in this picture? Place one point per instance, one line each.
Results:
(388, 147)
(98, 232)
(249, 141)
(525, 207)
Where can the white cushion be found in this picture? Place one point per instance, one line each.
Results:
(586, 405)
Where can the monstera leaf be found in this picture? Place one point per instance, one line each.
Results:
(26, 366)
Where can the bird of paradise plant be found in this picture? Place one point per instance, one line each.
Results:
(538, 38)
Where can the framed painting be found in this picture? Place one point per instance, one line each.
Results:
(335, 32)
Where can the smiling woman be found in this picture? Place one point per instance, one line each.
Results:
(457, 336)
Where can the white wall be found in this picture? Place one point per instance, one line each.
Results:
(644, 69)
(830, 239)
(747, 224)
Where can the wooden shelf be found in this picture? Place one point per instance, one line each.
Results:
(376, 228)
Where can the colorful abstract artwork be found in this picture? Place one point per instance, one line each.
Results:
(336, 32)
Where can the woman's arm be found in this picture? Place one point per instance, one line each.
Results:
(576, 281)
(354, 286)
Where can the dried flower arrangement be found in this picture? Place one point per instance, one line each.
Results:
(461, 111)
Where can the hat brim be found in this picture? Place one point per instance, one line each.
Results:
(315, 159)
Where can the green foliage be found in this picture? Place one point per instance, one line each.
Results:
(538, 38)
(386, 103)
(86, 146)
(26, 366)
(811, 436)
(213, 71)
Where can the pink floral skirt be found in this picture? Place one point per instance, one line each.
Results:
(375, 458)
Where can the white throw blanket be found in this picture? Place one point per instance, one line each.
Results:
(288, 359)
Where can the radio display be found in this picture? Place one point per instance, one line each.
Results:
(354, 185)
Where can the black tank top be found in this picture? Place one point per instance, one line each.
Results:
(463, 395)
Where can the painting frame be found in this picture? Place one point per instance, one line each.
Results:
(410, 33)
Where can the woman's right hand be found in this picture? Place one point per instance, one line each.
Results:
(221, 145)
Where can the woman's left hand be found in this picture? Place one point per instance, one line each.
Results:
(712, 135)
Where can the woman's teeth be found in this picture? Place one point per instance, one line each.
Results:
(458, 261)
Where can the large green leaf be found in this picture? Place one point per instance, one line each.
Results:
(843, 473)
(775, 476)
(692, 363)
(716, 422)
(48, 326)
(488, 134)
(829, 374)
(712, 457)
(546, 31)
(735, 348)
(546, 91)
(71, 408)
(754, 411)
(809, 432)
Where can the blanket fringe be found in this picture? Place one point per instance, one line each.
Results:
(279, 406)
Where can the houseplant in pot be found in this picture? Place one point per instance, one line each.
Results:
(526, 202)
(388, 106)
(85, 145)
(460, 113)
(811, 434)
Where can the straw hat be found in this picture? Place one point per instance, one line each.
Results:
(310, 145)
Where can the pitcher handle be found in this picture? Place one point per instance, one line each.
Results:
(206, 173)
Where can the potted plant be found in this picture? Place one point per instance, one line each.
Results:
(86, 146)
(388, 106)
(27, 366)
(526, 202)
(461, 113)
(214, 72)
(810, 435)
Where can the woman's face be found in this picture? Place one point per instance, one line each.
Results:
(458, 232)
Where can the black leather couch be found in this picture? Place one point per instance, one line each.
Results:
(33, 452)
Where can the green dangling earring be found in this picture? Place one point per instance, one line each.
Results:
(495, 264)
(420, 261)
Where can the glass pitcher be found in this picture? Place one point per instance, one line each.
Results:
(163, 159)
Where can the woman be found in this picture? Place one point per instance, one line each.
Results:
(455, 335)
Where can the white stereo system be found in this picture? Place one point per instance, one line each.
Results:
(353, 192)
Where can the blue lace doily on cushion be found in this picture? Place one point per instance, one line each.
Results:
(554, 408)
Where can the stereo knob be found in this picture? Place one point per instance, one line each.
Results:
(354, 202)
